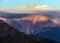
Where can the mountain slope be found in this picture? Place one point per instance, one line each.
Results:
(33, 24)
(27, 24)
(9, 34)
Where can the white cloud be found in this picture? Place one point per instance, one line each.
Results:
(40, 7)
(44, 7)
(29, 8)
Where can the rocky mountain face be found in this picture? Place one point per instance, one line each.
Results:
(9, 34)
(38, 25)
(42, 24)
(32, 23)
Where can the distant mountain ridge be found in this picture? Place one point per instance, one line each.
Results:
(24, 24)
(9, 34)
(17, 21)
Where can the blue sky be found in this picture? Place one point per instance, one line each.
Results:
(14, 3)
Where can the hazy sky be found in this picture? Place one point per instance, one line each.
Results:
(14, 3)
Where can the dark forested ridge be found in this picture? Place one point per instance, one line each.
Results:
(9, 34)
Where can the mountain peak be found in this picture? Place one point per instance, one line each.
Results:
(38, 18)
